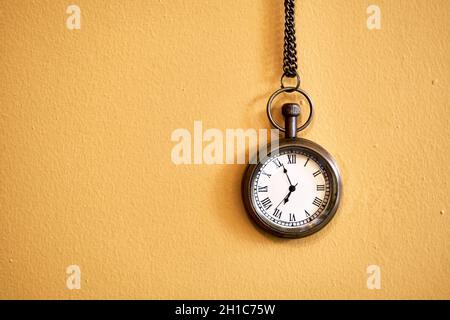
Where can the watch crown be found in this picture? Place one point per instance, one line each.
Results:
(290, 110)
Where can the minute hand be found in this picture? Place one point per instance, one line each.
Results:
(285, 172)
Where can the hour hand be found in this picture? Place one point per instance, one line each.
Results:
(291, 189)
(285, 199)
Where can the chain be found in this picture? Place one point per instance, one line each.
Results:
(290, 50)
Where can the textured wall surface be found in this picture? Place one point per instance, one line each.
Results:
(86, 175)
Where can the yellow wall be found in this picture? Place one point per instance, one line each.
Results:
(86, 176)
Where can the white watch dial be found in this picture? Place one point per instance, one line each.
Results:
(291, 189)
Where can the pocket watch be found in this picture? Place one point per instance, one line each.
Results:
(292, 191)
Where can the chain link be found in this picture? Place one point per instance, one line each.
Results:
(290, 49)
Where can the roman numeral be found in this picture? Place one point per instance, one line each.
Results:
(320, 187)
(292, 158)
(277, 163)
(267, 203)
(315, 174)
(292, 217)
(262, 189)
(307, 213)
(317, 202)
(266, 174)
(307, 160)
(277, 213)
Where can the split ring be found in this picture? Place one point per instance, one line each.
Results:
(289, 90)
(297, 85)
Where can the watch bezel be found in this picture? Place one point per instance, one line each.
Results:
(329, 211)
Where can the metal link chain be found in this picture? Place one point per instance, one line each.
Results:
(289, 69)
(290, 49)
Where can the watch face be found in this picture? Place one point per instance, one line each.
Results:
(294, 191)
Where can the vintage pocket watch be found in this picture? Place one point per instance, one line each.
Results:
(292, 191)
